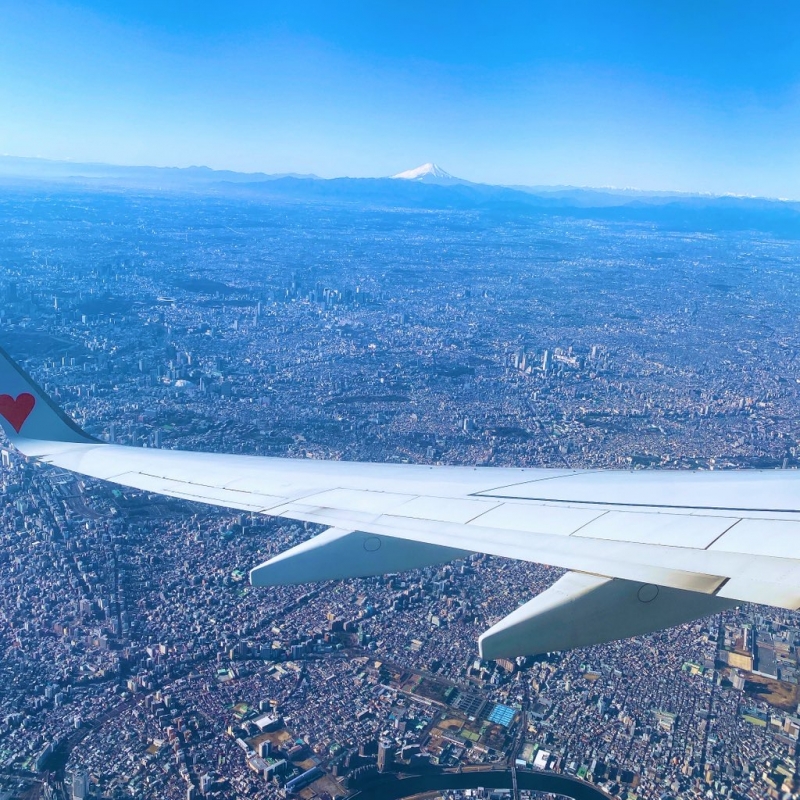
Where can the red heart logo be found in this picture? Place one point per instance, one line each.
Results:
(16, 411)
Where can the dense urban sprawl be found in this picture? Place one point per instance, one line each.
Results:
(136, 659)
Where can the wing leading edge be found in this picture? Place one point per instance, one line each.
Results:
(708, 538)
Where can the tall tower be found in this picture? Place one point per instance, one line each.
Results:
(385, 757)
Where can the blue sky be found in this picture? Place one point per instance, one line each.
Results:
(695, 96)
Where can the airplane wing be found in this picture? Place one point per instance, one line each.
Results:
(644, 549)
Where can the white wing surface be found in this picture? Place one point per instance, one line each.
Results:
(679, 545)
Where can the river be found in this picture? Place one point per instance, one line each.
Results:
(490, 779)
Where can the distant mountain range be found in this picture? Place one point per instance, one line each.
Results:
(425, 187)
(113, 174)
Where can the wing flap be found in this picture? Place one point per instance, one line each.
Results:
(618, 559)
(538, 518)
(762, 537)
(752, 590)
(669, 529)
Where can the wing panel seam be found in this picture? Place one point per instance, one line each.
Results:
(635, 505)
(710, 544)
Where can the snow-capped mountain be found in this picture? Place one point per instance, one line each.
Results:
(429, 173)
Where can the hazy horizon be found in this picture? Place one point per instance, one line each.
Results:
(647, 190)
(678, 98)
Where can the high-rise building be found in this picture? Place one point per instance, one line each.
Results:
(385, 758)
(80, 785)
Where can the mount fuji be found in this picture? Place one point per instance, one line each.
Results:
(430, 173)
(426, 187)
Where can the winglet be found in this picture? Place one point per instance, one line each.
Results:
(26, 412)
